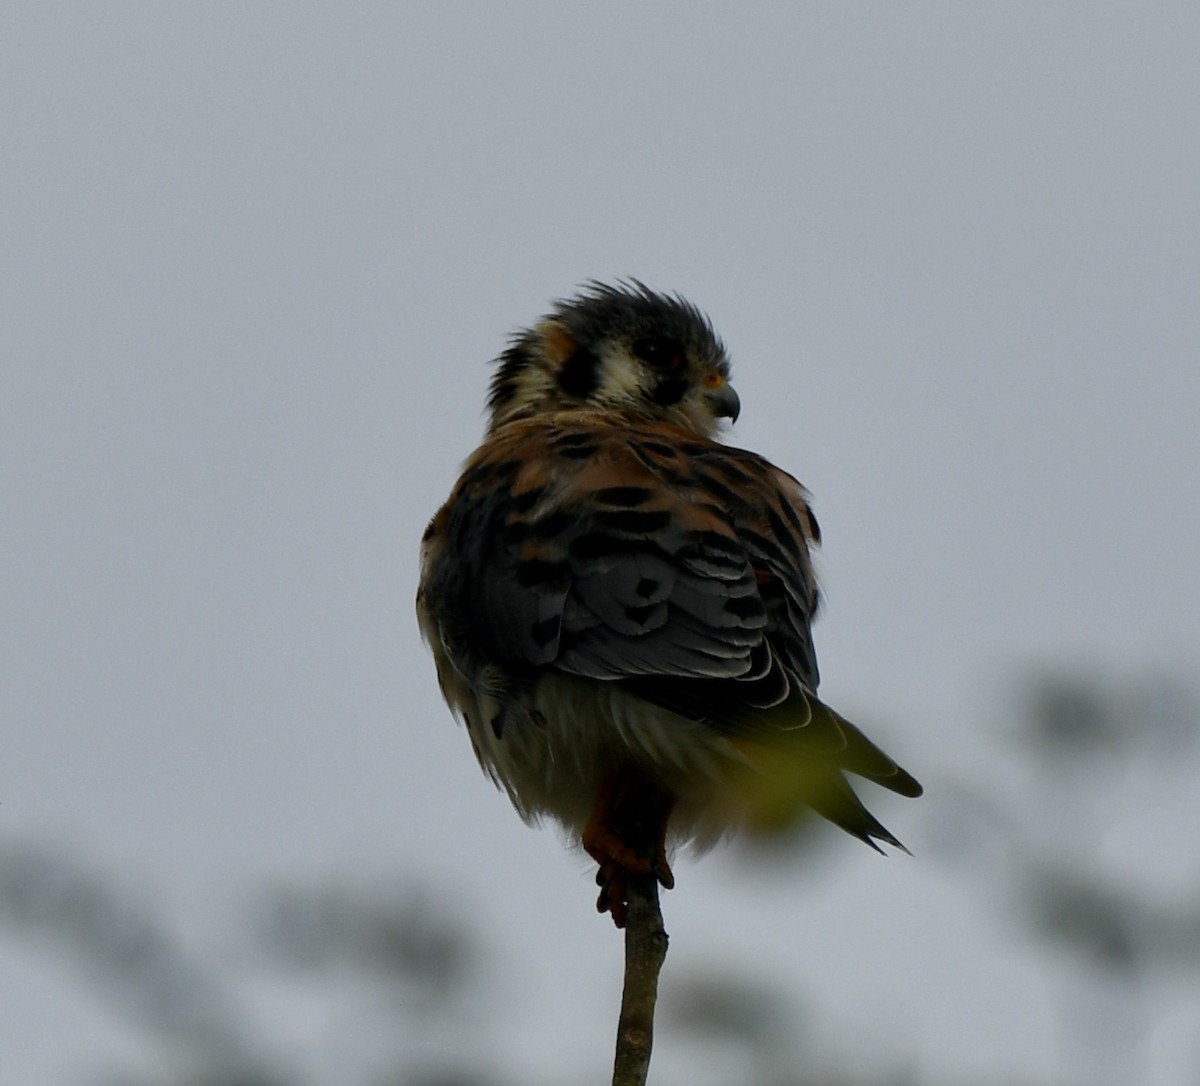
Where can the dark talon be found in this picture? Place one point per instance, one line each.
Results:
(611, 899)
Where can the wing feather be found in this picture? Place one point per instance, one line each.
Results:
(656, 554)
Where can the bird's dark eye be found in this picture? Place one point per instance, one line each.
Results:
(661, 352)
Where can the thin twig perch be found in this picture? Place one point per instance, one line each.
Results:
(645, 951)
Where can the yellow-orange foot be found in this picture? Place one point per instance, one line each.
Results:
(626, 835)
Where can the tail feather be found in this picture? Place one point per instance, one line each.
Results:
(796, 753)
(864, 758)
(805, 767)
(840, 805)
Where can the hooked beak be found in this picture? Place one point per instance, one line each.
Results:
(724, 402)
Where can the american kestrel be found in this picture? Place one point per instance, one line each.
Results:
(619, 605)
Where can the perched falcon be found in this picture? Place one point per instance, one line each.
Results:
(619, 605)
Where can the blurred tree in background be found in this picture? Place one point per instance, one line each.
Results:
(392, 976)
(1077, 851)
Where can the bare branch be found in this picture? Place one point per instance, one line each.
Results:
(645, 951)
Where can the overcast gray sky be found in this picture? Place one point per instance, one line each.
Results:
(255, 261)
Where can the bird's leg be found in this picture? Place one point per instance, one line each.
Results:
(626, 835)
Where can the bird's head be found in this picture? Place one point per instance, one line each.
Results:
(623, 348)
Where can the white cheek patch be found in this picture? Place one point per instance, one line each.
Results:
(536, 385)
(621, 377)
